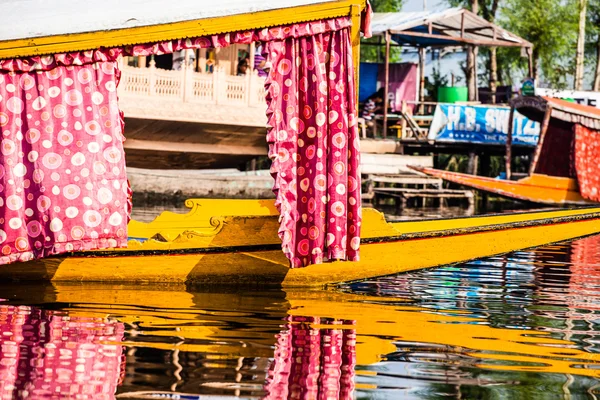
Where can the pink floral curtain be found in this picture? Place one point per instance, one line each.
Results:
(587, 154)
(313, 363)
(62, 171)
(313, 144)
(312, 134)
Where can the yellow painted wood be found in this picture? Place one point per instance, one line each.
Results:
(537, 188)
(178, 30)
(378, 322)
(391, 258)
(169, 225)
(422, 245)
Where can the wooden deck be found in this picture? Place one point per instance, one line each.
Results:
(387, 176)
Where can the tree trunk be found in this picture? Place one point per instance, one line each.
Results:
(579, 71)
(493, 73)
(597, 77)
(472, 62)
(471, 78)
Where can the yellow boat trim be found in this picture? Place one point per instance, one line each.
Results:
(242, 250)
(180, 30)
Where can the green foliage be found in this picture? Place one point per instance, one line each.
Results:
(376, 53)
(437, 81)
(551, 25)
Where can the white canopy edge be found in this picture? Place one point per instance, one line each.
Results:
(25, 19)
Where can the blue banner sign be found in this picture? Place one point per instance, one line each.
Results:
(482, 125)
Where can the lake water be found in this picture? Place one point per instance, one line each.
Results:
(522, 325)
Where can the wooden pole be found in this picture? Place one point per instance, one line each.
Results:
(530, 63)
(543, 131)
(493, 74)
(386, 82)
(509, 143)
(422, 62)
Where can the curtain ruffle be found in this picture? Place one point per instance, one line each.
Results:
(49, 62)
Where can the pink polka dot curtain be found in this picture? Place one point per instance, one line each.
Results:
(75, 172)
(313, 143)
(587, 154)
(62, 167)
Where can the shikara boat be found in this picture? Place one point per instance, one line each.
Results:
(236, 242)
(227, 242)
(551, 178)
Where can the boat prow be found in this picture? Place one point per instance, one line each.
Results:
(209, 248)
(536, 188)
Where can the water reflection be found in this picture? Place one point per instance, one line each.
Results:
(49, 354)
(520, 325)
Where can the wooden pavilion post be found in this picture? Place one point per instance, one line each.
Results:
(543, 131)
(422, 80)
(530, 62)
(508, 160)
(386, 82)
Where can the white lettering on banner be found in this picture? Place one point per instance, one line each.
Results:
(496, 120)
(531, 128)
(490, 120)
(453, 117)
(470, 119)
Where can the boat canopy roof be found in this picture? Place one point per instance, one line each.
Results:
(60, 26)
(535, 107)
(450, 27)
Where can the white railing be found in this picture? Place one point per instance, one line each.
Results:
(192, 87)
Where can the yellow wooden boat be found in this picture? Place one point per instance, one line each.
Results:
(536, 188)
(550, 179)
(235, 242)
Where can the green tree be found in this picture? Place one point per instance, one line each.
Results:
(551, 25)
(376, 53)
(593, 34)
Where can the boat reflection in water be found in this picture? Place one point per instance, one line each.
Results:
(520, 325)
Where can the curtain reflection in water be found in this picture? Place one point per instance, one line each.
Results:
(314, 359)
(49, 354)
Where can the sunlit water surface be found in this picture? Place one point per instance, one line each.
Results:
(522, 326)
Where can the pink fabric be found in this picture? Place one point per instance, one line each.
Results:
(44, 354)
(45, 63)
(587, 154)
(403, 80)
(365, 20)
(313, 363)
(62, 171)
(312, 134)
(314, 147)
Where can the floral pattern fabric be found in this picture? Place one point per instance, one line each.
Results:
(587, 154)
(62, 171)
(314, 147)
(312, 134)
(45, 63)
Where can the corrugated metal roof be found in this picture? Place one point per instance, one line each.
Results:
(23, 19)
(450, 26)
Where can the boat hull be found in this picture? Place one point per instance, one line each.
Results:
(245, 250)
(537, 188)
